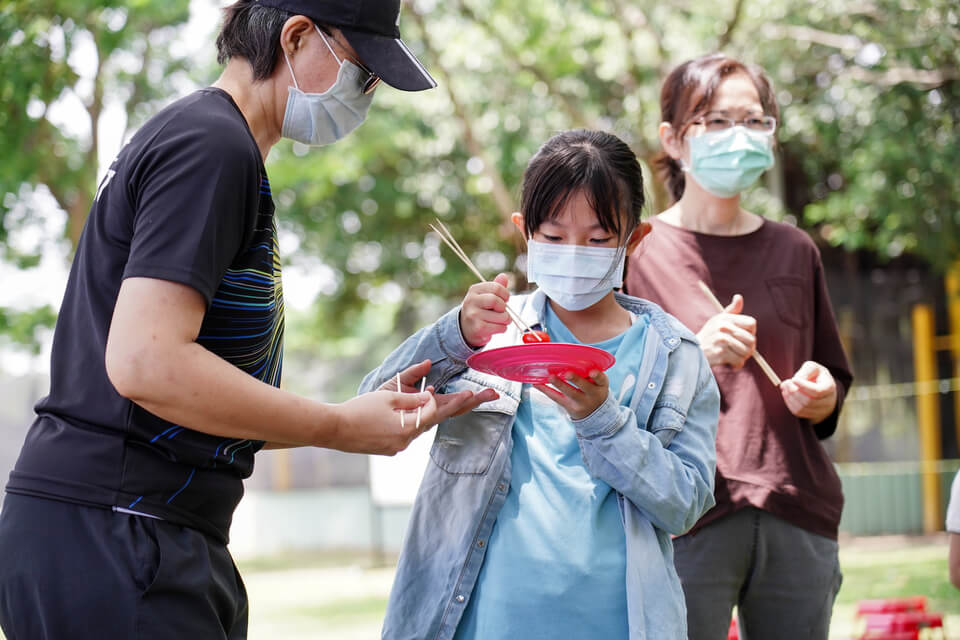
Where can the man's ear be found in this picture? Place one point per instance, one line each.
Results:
(293, 32)
(638, 234)
(670, 142)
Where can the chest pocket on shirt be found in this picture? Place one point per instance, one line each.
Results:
(790, 301)
(467, 444)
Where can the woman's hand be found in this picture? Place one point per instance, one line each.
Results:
(729, 338)
(811, 393)
(484, 311)
(579, 396)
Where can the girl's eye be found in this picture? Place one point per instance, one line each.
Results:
(552, 238)
(600, 240)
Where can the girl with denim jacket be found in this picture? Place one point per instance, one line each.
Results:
(548, 512)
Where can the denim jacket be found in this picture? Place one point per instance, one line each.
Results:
(658, 454)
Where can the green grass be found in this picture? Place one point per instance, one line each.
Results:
(344, 612)
(898, 568)
(312, 560)
(887, 574)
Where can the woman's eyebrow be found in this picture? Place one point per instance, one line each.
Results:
(726, 112)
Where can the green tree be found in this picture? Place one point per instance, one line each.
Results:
(872, 107)
(89, 54)
(868, 89)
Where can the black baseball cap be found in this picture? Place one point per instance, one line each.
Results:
(372, 29)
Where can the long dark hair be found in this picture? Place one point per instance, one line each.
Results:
(601, 165)
(252, 31)
(689, 91)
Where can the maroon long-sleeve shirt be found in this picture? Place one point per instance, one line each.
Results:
(766, 457)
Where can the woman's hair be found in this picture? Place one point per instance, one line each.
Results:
(688, 92)
(252, 31)
(600, 165)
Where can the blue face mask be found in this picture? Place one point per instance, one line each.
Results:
(727, 162)
(573, 276)
(323, 118)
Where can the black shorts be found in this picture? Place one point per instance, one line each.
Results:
(72, 572)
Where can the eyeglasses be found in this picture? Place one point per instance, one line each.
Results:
(370, 82)
(763, 124)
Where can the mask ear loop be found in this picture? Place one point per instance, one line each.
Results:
(332, 52)
(329, 48)
(290, 68)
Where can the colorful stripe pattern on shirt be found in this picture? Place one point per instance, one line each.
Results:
(244, 326)
(245, 322)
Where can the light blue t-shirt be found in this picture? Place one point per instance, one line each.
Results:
(556, 561)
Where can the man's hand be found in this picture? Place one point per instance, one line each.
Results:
(811, 392)
(729, 338)
(579, 396)
(484, 311)
(370, 423)
(449, 405)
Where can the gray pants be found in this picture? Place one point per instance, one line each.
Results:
(783, 579)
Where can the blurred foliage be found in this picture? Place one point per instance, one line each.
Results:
(46, 44)
(870, 103)
(75, 57)
(868, 89)
(871, 95)
(21, 327)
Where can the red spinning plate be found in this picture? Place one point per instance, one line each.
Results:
(537, 362)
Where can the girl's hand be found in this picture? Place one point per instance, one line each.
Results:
(729, 338)
(484, 311)
(579, 396)
(811, 392)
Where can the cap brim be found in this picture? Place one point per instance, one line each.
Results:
(390, 59)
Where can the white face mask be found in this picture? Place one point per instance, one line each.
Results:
(598, 271)
(323, 118)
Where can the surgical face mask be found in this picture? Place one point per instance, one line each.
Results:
(573, 276)
(727, 162)
(323, 118)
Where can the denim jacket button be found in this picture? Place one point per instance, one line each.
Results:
(460, 599)
(652, 385)
(480, 544)
(673, 340)
(502, 486)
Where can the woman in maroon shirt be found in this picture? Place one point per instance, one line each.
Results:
(769, 546)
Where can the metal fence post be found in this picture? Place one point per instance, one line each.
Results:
(928, 412)
(952, 281)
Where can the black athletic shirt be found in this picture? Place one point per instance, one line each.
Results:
(186, 200)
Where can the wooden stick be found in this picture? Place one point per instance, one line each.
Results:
(400, 390)
(423, 385)
(767, 369)
(451, 242)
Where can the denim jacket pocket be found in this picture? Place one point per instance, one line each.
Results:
(666, 421)
(467, 444)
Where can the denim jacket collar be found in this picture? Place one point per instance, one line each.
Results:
(533, 308)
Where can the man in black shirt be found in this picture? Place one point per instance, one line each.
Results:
(166, 360)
